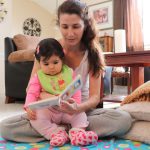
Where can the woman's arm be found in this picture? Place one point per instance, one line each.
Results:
(92, 102)
(94, 94)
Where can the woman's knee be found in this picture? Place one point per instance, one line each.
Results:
(109, 122)
(123, 123)
(4, 130)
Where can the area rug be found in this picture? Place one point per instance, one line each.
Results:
(111, 144)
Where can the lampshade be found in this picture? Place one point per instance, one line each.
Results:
(120, 41)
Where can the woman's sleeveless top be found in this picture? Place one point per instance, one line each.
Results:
(83, 70)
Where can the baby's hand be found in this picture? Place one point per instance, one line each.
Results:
(31, 114)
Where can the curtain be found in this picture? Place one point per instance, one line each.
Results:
(127, 16)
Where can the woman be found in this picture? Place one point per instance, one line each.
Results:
(83, 56)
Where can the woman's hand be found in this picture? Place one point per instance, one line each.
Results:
(69, 106)
(31, 114)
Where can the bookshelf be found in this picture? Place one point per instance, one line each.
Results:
(106, 43)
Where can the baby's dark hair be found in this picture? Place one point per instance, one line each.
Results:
(48, 47)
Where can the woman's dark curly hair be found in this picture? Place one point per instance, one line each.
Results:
(95, 57)
(48, 47)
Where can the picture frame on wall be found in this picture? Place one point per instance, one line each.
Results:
(102, 13)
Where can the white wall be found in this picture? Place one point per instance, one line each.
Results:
(30, 10)
(18, 12)
(5, 29)
(6, 24)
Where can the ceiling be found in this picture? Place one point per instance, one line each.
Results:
(49, 5)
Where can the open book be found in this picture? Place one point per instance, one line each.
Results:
(67, 93)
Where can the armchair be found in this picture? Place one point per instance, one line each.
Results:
(17, 74)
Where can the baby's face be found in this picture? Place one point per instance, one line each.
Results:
(52, 66)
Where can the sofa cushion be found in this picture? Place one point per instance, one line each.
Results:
(21, 56)
(138, 110)
(139, 132)
(23, 42)
(26, 46)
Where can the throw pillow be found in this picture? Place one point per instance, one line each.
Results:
(138, 110)
(139, 94)
(21, 56)
(25, 41)
(139, 132)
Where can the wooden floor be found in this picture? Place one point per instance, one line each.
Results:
(118, 90)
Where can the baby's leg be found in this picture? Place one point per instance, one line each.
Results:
(43, 124)
(77, 134)
(59, 137)
(81, 137)
(47, 125)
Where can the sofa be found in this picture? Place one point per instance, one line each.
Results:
(19, 57)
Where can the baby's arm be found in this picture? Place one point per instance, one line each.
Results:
(34, 89)
(33, 92)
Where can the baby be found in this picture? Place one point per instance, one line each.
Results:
(53, 77)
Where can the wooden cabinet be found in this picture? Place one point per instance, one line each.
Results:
(106, 43)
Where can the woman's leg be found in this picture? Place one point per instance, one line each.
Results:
(105, 122)
(109, 122)
(18, 128)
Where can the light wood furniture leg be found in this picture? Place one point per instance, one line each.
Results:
(9, 99)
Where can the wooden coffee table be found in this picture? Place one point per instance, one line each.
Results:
(135, 60)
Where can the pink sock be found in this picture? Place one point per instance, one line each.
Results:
(59, 138)
(82, 137)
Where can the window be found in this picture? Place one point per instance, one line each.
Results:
(146, 24)
(144, 6)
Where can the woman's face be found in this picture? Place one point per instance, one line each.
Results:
(72, 28)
